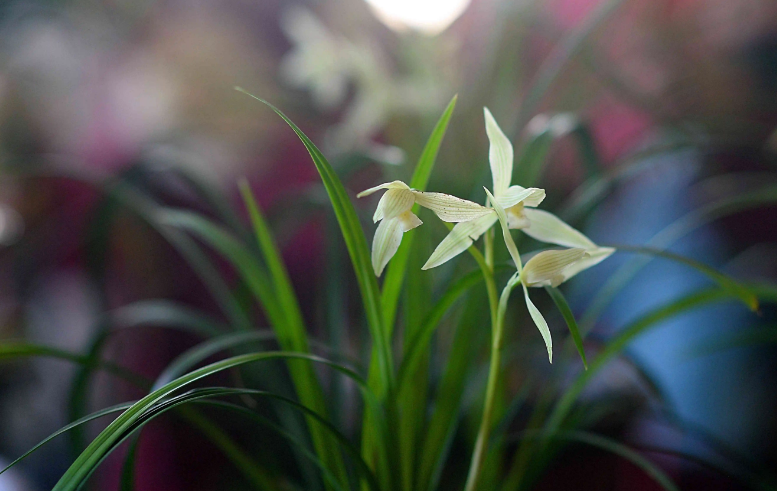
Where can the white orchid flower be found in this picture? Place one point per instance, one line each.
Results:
(548, 268)
(319, 60)
(512, 198)
(396, 217)
(519, 205)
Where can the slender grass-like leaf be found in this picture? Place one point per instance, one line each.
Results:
(362, 467)
(734, 287)
(281, 283)
(468, 340)
(395, 274)
(357, 248)
(668, 236)
(18, 350)
(745, 338)
(589, 155)
(595, 189)
(105, 441)
(569, 317)
(528, 169)
(356, 244)
(188, 359)
(95, 415)
(145, 208)
(617, 448)
(622, 339)
(419, 343)
(288, 326)
(157, 313)
(554, 65)
(12, 350)
(127, 480)
(412, 399)
(167, 314)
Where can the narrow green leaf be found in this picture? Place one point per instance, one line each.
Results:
(106, 440)
(668, 236)
(616, 345)
(392, 285)
(528, 169)
(188, 359)
(157, 313)
(569, 317)
(91, 417)
(727, 283)
(419, 344)
(744, 338)
(288, 328)
(278, 274)
(357, 248)
(17, 350)
(127, 481)
(469, 338)
(11, 350)
(619, 449)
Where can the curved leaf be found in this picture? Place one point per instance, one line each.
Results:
(105, 441)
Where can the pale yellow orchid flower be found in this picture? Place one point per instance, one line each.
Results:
(548, 268)
(519, 205)
(395, 214)
(512, 198)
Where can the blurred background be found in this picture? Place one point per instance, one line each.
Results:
(647, 111)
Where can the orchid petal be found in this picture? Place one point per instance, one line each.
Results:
(592, 258)
(409, 221)
(500, 155)
(539, 321)
(548, 268)
(450, 208)
(500, 212)
(387, 238)
(393, 203)
(387, 185)
(516, 218)
(547, 227)
(516, 194)
(459, 239)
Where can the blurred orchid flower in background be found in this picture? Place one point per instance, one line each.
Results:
(319, 61)
(394, 211)
(327, 65)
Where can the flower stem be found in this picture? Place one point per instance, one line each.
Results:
(497, 318)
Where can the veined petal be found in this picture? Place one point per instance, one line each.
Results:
(592, 258)
(450, 208)
(500, 154)
(409, 221)
(549, 267)
(500, 212)
(547, 227)
(393, 203)
(387, 238)
(386, 185)
(515, 194)
(516, 218)
(459, 239)
(539, 321)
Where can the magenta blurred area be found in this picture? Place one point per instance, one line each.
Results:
(144, 90)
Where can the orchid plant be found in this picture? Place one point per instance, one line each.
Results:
(514, 207)
(404, 446)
